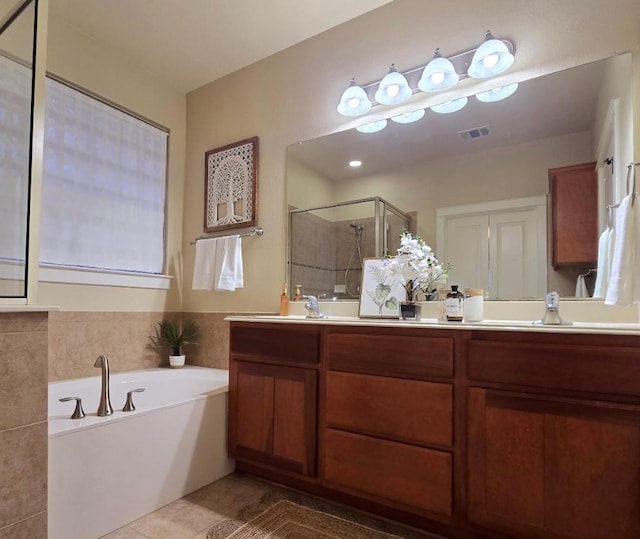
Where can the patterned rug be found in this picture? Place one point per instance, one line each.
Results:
(287, 520)
(287, 514)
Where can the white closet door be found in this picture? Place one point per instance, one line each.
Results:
(499, 246)
(517, 254)
(467, 250)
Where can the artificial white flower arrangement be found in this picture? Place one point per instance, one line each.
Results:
(416, 267)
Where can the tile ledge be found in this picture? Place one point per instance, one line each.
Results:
(27, 308)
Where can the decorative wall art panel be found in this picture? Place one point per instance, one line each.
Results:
(231, 186)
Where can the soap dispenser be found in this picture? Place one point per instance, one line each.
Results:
(284, 302)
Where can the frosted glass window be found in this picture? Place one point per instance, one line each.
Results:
(104, 185)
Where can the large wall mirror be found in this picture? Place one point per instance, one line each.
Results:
(17, 47)
(483, 159)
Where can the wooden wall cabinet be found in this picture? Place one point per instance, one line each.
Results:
(574, 215)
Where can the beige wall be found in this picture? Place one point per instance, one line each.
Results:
(292, 96)
(617, 84)
(307, 188)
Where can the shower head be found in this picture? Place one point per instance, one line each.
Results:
(358, 228)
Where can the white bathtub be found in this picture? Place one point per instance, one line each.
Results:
(105, 472)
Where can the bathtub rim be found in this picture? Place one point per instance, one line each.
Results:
(92, 421)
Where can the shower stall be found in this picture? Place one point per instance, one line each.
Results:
(327, 244)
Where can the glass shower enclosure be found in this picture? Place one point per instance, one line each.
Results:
(327, 245)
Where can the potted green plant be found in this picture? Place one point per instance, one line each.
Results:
(175, 335)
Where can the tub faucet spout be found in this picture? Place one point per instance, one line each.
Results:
(104, 408)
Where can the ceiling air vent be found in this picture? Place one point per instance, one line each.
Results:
(475, 132)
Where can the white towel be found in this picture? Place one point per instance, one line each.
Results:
(204, 265)
(624, 282)
(581, 287)
(229, 271)
(605, 257)
(218, 264)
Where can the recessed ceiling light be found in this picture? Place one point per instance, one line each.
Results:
(355, 163)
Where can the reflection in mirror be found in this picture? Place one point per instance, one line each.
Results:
(439, 166)
(17, 38)
(329, 243)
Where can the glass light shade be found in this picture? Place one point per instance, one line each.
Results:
(438, 75)
(393, 88)
(372, 127)
(491, 58)
(408, 117)
(497, 94)
(450, 106)
(354, 101)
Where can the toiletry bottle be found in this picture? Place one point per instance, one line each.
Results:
(284, 302)
(298, 296)
(454, 305)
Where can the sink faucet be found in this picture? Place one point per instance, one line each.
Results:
(104, 407)
(552, 314)
(313, 308)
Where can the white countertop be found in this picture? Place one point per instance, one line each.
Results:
(501, 325)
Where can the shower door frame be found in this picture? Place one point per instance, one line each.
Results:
(381, 206)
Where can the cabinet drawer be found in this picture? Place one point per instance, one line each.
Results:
(403, 474)
(290, 345)
(407, 410)
(394, 354)
(602, 369)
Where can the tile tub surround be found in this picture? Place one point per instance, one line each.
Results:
(76, 338)
(23, 424)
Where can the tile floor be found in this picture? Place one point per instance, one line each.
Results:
(192, 516)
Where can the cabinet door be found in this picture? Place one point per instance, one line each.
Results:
(273, 415)
(574, 210)
(542, 467)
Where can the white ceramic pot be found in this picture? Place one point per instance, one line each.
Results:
(176, 361)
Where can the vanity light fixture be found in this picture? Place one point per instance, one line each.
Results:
(408, 117)
(354, 101)
(438, 75)
(491, 58)
(450, 106)
(497, 94)
(372, 127)
(393, 88)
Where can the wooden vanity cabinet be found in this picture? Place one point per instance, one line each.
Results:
(273, 382)
(553, 447)
(388, 418)
(467, 433)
